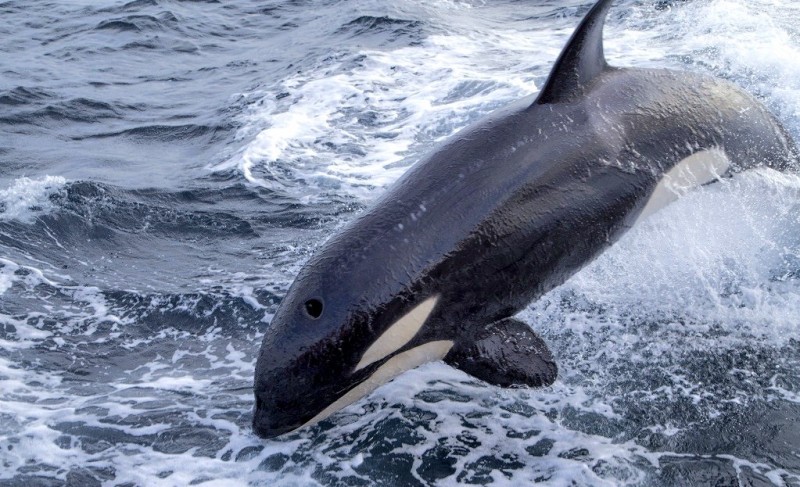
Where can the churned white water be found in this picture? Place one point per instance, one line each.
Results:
(27, 198)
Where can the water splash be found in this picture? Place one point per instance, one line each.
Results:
(29, 198)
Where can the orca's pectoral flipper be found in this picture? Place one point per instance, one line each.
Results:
(505, 353)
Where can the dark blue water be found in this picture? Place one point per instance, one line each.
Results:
(167, 166)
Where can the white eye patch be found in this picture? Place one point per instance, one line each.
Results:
(399, 334)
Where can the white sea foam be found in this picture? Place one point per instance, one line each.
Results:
(752, 43)
(722, 253)
(361, 127)
(29, 198)
(7, 270)
(359, 124)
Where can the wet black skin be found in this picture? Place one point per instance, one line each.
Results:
(495, 217)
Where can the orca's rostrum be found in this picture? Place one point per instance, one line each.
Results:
(496, 216)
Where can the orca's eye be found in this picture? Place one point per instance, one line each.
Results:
(314, 308)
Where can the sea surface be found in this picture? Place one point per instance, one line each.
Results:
(166, 167)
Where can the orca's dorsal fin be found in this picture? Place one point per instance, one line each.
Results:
(581, 60)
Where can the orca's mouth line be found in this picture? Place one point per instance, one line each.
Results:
(393, 367)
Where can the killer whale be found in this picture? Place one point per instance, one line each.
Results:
(496, 216)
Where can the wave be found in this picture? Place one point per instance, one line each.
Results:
(139, 23)
(384, 31)
(32, 106)
(99, 205)
(165, 133)
(23, 96)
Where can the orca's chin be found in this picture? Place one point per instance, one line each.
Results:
(268, 423)
(264, 428)
(268, 432)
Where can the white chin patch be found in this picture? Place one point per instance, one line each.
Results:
(399, 334)
(394, 366)
(696, 170)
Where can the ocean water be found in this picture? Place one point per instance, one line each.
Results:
(166, 166)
